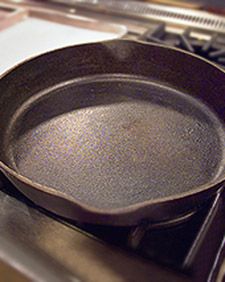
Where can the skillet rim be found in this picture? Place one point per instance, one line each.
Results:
(129, 209)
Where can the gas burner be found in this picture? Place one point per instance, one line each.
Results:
(208, 47)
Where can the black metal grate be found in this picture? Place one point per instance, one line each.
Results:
(210, 49)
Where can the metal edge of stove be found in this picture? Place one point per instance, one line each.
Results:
(173, 15)
(221, 272)
(42, 248)
(69, 18)
(211, 234)
(133, 27)
(14, 14)
(78, 21)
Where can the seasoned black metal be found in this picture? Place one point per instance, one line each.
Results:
(114, 132)
(147, 36)
(185, 43)
(217, 53)
(159, 31)
(221, 60)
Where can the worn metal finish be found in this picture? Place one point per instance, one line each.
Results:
(114, 132)
(43, 249)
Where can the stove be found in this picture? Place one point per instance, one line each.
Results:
(42, 246)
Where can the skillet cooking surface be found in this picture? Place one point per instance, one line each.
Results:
(114, 140)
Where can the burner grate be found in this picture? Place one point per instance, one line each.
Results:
(209, 47)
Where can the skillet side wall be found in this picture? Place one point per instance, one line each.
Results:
(185, 73)
(156, 212)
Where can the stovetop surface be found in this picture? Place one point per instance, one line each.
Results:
(45, 247)
(192, 250)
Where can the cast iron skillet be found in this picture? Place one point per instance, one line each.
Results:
(114, 132)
